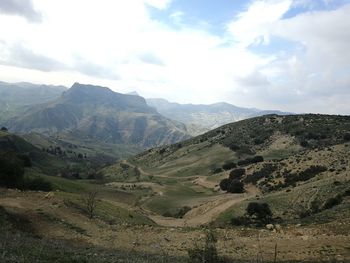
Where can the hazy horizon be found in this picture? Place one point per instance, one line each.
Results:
(267, 54)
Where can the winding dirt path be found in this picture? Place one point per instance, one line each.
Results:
(204, 213)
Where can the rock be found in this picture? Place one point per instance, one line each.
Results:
(269, 226)
(278, 227)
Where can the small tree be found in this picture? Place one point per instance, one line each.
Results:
(235, 186)
(224, 184)
(237, 173)
(261, 211)
(90, 203)
(4, 129)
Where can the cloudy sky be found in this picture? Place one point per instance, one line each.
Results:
(291, 55)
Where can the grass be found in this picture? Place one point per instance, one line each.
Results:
(24, 248)
(175, 197)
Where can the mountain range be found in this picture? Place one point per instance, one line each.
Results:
(98, 120)
(15, 98)
(98, 113)
(201, 118)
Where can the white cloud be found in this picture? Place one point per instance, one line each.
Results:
(118, 44)
(253, 25)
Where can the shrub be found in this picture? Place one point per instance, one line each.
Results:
(305, 175)
(255, 159)
(229, 166)
(237, 173)
(224, 184)
(235, 186)
(264, 172)
(261, 211)
(333, 201)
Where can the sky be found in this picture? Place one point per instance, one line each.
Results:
(291, 55)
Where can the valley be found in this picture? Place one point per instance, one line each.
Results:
(160, 203)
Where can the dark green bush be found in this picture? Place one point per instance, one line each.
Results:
(260, 211)
(333, 201)
(305, 175)
(235, 186)
(224, 184)
(229, 166)
(264, 172)
(255, 159)
(237, 173)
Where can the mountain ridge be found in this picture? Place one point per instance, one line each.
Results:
(204, 117)
(98, 113)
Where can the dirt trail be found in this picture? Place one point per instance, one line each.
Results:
(206, 212)
(202, 181)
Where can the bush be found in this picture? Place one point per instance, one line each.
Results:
(237, 173)
(235, 186)
(305, 175)
(229, 166)
(261, 211)
(255, 159)
(224, 184)
(333, 201)
(264, 172)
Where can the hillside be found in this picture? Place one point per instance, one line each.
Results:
(202, 118)
(15, 98)
(189, 173)
(153, 207)
(86, 112)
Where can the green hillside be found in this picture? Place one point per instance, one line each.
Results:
(277, 153)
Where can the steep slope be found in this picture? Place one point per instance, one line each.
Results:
(202, 118)
(97, 113)
(15, 98)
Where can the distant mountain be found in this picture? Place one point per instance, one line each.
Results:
(17, 97)
(201, 118)
(87, 112)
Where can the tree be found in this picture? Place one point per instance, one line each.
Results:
(4, 129)
(237, 173)
(235, 186)
(224, 184)
(261, 211)
(90, 202)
